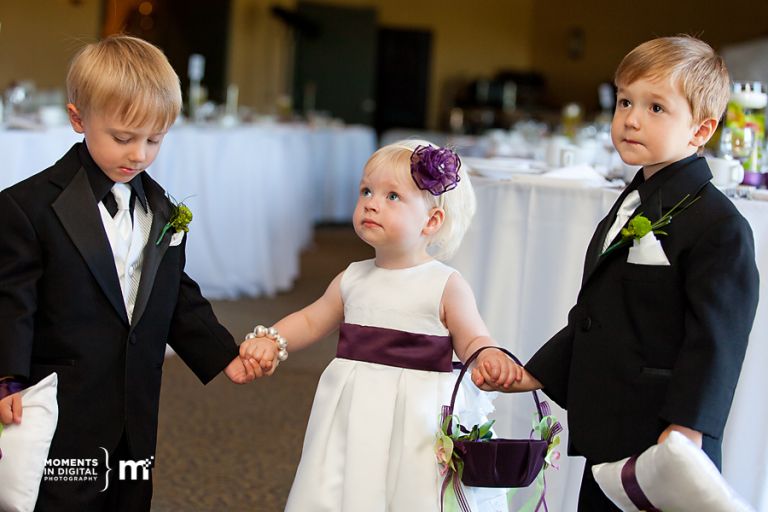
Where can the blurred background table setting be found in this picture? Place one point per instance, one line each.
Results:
(222, 159)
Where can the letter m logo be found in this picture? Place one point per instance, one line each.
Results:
(134, 467)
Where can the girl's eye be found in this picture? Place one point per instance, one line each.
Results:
(365, 192)
(392, 196)
(153, 141)
(656, 109)
(624, 103)
(121, 141)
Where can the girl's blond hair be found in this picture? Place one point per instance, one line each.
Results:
(128, 77)
(458, 204)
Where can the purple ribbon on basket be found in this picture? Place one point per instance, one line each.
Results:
(556, 428)
(452, 478)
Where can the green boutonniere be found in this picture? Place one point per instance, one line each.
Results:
(179, 220)
(639, 225)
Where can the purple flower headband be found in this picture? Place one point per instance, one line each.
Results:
(435, 169)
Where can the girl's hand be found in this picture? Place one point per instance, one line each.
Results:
(260, 352)
(494, 370)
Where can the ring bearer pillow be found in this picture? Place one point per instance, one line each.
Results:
(674, 476)
(25, 446)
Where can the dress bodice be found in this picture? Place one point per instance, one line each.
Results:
(406, 299)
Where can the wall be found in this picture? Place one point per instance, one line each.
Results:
(470, 40)
(39, 37)
(613, 29)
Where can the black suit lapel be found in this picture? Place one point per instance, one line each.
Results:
(78, 212)
(153, 252)
(595, 250)
(686, 177)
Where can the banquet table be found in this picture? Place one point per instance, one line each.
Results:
(256, 192)
(523, 257)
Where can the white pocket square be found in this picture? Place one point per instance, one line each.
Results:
(176, 238)
(647, 251)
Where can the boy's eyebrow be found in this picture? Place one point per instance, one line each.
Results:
(128, 131)
(660, 97)
(653, 95)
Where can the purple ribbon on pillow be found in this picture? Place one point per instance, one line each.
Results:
(632, 487)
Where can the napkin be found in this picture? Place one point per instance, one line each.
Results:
(581, 172)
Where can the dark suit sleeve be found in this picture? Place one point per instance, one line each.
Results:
(551, 364)
(721, 286)
(196, 335)
(20, 270)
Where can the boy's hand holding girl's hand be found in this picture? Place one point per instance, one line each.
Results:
(261, 353)
(495, 371)
(257, 358)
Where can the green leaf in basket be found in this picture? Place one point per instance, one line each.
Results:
(485, 429)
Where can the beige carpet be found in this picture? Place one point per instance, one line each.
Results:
(228, 448)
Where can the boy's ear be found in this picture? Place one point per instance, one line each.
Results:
(436, 218)
(704, 132)
(74, 118)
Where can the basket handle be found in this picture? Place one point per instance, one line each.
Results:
(466, 367)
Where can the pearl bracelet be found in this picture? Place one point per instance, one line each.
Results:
(263, 332)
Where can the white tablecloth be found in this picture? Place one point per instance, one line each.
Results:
(255, 190)
(523, 257)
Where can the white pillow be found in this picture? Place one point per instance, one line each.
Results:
(675, 476)
(25, 446)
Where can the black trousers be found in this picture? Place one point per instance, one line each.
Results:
(591, 498)
(120, 496)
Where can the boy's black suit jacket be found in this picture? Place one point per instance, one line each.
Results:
(61, 310)
(647, 346)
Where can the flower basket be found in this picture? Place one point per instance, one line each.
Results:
(500, 462)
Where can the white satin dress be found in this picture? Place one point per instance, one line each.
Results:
(369, 445)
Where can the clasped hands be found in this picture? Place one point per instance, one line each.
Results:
(495, 371)
(258, 358)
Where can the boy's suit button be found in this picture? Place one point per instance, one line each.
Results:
(132, 338)
(586, 325)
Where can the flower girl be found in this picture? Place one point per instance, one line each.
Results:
(370, 440)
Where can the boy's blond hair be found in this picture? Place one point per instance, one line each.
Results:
(458, 204)
(690, 63)
(128, 77)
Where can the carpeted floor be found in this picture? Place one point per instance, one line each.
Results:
(228, 448)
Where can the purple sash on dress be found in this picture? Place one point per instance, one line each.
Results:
(395, 348)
